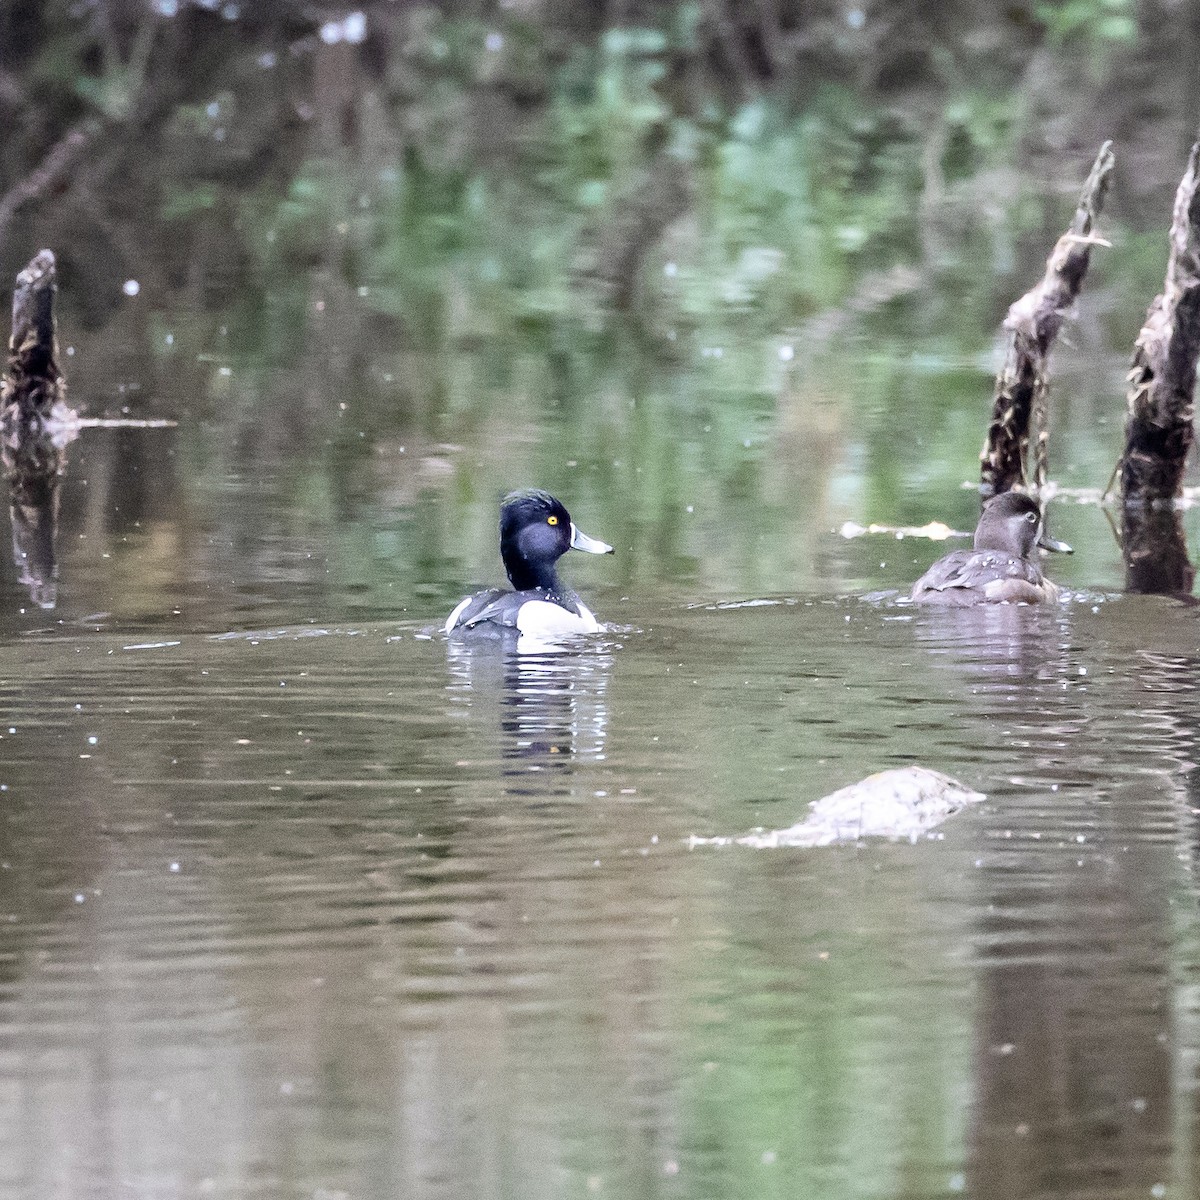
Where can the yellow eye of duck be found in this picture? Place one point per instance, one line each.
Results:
(551, 520)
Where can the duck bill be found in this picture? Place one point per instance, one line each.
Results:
(1048, 543)
(589, 545)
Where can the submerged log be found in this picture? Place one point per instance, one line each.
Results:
(32, 403)
(1032, 325)
(1161, 410)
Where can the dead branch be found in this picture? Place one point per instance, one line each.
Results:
(1161, 408)
(1032, 325)
(1162, 375)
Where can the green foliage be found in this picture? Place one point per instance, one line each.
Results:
(1097, 28)
(184, 202)
(1089, 20)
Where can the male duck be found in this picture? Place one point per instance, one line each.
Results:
(1002, 568)
(535, 532)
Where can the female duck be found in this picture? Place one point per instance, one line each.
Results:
(535, 532)
(1003, 567)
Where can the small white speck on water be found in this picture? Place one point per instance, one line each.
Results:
(79, 897)
(92, 739)
(131, 287)
(787, 353)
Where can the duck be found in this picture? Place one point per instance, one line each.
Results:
(1002, 567)
(535, 532)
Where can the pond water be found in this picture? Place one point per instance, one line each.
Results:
(296, 900)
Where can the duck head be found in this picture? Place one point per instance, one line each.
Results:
(1012, 523)
(535, 532)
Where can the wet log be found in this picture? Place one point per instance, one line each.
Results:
(1162, 376)
(1032, 324)
(32, 402)
(1161, 410)
(33, 384)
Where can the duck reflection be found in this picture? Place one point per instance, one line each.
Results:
(550, 707)
(997, 648)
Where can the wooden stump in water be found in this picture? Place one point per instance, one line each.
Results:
(1032, 325)
(1161, 410)
(32, 390)
(34, 383)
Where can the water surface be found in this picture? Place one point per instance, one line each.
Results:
(318, 907)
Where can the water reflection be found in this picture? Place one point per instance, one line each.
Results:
(34, 459)
(550, 708)
(1073, 1047)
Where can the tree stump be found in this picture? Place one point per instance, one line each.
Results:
(1032, 325)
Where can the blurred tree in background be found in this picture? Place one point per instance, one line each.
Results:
(488, 163)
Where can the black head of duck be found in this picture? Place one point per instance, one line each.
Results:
(1002, 567)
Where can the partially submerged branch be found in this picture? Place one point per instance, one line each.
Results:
(1155, 549)
(1032, 325)
(1161, 409)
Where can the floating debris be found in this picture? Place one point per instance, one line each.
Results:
(903, 804)
(935, 531)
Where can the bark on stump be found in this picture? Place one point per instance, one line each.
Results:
(32, 387)
(1032, 325)
(1161, 410)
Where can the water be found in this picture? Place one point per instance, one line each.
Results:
(298, 901)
